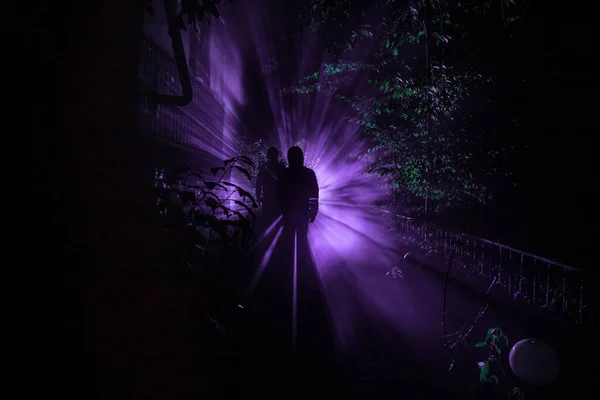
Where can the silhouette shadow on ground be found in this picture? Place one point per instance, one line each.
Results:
(291, 324)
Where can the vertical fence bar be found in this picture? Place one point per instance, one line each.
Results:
(534, 294)
(482, 259)
(509, 273)
(490, 262)
(547, 304)
(500, 265)
(444, 241)
(461, 245)
(580, 296)
(564, 290)
(521, 277)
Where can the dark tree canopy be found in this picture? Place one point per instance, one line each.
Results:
(416, 58)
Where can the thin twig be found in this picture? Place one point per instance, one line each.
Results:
(484, 306)
(446, 280)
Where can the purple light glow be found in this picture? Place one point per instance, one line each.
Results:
(349, 242)
(265, 259)
(347, 228)
(268, 231)
(226, 71)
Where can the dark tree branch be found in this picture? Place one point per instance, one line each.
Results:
(462, 338)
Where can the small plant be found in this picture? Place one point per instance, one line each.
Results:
(516, 393)
(207, 213)
(495, 339)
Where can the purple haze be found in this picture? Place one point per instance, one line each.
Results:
(349, 240)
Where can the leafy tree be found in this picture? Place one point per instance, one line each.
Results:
(417, 79)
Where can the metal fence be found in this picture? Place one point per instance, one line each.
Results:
(522, 276)
(197, 126)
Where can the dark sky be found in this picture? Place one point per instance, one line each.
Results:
(543, 81)
(542, 74)
(553, 57)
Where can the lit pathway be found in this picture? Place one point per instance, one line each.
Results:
(398, 343)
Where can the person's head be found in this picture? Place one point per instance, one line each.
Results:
(295, 157)
(272, 154)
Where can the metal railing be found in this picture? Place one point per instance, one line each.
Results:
(522, 276)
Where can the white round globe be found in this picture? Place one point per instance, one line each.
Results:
(534, 362)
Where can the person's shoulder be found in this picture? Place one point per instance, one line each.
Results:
(309, 171)
(284, 171)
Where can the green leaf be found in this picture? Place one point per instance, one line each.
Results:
(506, 339)
(495, 378)
(483, 372)
(498, 350)
(480, 344)
(489, 334)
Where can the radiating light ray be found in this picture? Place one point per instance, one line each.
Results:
(264, 262)
(226, 72)
(348, 240)
(218, 97)
(269, 229)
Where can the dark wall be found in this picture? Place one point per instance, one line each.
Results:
(100, 174)
(99, 159)
(103, 168)
(556, 175)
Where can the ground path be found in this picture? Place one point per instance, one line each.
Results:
(141, 342)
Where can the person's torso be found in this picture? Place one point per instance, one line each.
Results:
(296, 187)
(271, 173)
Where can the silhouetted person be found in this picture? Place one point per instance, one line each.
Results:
(266, 187)
(299, 196)
(298, 192)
